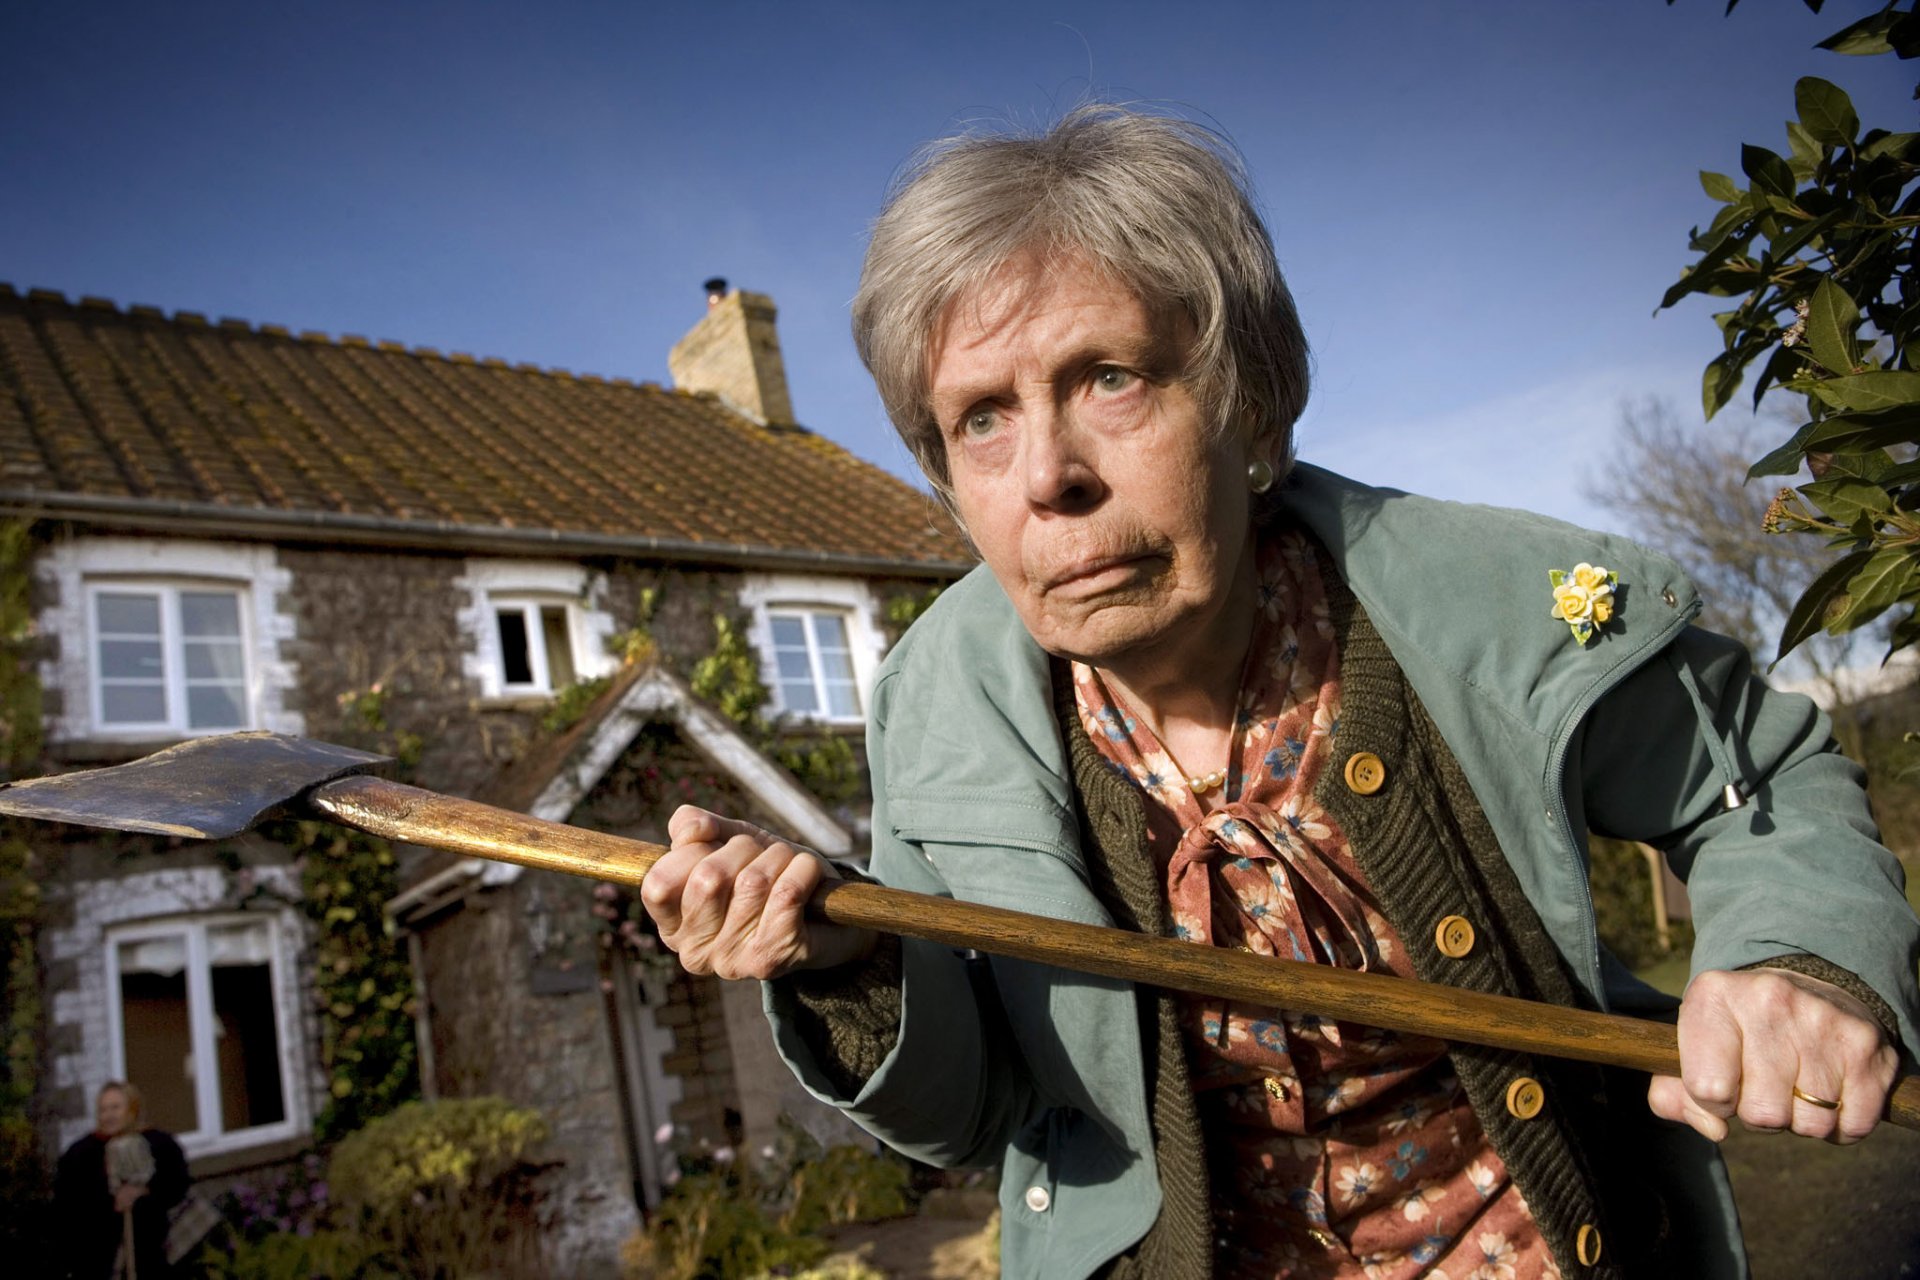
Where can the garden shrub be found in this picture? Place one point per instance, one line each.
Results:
(444, 1187)
(845, 1268)
(842, 1185)
(323, 1255)
(716, 1224)
(709, 1227)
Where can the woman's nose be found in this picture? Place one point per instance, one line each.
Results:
(1060, 472)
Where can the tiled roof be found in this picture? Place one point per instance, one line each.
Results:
(136, 409)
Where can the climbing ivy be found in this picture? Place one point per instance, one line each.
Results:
(729, 677)
(23, 1175)
(20, 745)
(362, 982)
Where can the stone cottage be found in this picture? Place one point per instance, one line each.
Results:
(505, 573)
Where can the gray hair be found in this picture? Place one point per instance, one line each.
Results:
(1161, 205)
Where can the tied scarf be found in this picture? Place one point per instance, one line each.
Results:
(1250, 876)
(1264, 871)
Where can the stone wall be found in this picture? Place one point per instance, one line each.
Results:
(493, 1033)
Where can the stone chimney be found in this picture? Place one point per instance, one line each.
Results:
(734, 352)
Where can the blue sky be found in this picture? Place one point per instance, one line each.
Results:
(1478, 204)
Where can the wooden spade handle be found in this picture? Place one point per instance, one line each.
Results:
(1380, 1000)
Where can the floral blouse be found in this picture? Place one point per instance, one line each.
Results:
(1334, 1150)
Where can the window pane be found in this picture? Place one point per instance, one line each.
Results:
(799, 697)
(216, 706)
(836, 665)
(516, 658)
(829, 631)
(843, 702)
(792, 664)
(122, 613)
(553, 629)
(215, 660)
(131, 660)
(133, 704)
(245, 1032)
(209, 613)
(159, 1048)
(788, 632)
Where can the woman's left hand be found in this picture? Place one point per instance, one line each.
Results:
(123, 1198)
(1749, 1039)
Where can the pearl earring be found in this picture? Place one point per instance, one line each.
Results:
(1260, 475)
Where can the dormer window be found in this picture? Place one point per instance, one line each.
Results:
(534, 626)
(818, 641)
(536, 646)
(814, 662)
(168, 658)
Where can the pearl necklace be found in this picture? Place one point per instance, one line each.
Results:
(1201, 783)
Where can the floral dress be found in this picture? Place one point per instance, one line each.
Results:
(1335, 1150)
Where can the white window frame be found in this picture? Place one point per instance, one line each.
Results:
(172, 657)
(805, 616)
(852, 600)
(492, 585)
(72, 566)
(530, 609)
(201, 1032)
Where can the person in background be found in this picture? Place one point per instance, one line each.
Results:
(113, 1191)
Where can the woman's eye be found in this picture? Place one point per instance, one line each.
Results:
(1110, 379)
(979, 422)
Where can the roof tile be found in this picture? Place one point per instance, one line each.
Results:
(107, 404)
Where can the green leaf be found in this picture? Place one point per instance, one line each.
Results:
(1845, 499)
(1807, 152)
(1880, 583)
(1870, 392)
(1898, 475)
(1770, 174)
(1809, 612)
(1869, 35)
(1905, 36)
(1826, 111)
(1785, 460)
(1831, 320)
(1719, 186)
(1897, 145)
(1788, 245)
(1721, 379)
(1867, 464)
(1859, 432)
(1906, 632)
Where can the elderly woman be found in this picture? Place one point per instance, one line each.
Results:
(1198, 691)
(114, 1189)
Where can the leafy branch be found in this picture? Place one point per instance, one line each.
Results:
(1820, 249)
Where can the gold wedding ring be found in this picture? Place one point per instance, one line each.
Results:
(1825, 1104)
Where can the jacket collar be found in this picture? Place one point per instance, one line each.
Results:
(1459, 593)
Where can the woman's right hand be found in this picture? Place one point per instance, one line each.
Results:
(731, 900)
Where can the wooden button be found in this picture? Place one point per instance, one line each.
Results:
(1454, 937)
(1586, 1244)
(1525, 1097)
(1365, 773)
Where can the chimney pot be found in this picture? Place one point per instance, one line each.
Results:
(716, 287)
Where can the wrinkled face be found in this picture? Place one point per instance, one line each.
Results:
(1081, 464)
(112, 1114)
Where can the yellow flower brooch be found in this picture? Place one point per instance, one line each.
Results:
(1583, 599)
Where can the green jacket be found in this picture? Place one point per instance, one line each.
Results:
(1632, 735)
